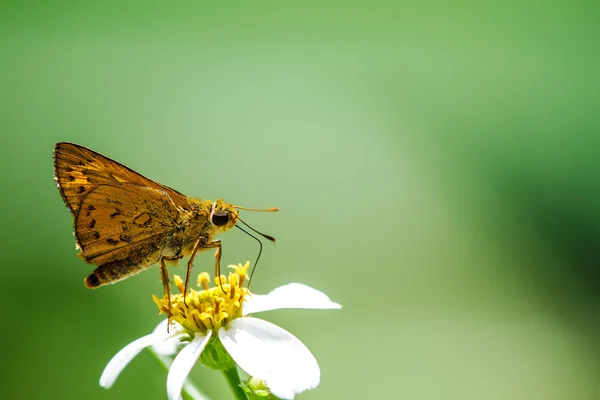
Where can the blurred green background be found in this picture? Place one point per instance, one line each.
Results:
(437, 166)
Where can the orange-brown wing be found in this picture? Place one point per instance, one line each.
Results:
(116, 219)
(78, 170)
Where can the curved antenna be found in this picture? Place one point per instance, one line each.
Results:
(269, 237)
(259, 252)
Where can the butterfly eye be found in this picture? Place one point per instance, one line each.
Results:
(220, 218)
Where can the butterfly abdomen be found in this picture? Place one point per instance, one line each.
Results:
(132, 262)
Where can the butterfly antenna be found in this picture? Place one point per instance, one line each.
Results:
(268, 237)
(259, 252)
(272, 209)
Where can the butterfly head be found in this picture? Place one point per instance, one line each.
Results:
(223, 216)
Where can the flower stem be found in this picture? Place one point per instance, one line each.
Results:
(233, 379)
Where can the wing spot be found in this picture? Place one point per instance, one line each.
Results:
(117, 212)
(81, 189)
(90, 209)
(112, 241)
(92, 223)
(143, 219)
(96, 235)
(71, 178)
(126, 238)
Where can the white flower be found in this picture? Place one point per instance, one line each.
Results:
(263, 350)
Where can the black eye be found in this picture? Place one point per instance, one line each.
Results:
(220, 219)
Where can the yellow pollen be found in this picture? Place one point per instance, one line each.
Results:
(204, 280)
(178, 283)
(207, 308)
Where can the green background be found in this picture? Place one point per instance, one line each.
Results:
(437, 168)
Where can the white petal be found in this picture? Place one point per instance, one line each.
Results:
(292, 295)
(188, 386)
(267, 352)
(122, 358)
(162, 326)
(183, 363)
(167, 342)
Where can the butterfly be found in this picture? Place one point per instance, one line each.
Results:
(124, 222)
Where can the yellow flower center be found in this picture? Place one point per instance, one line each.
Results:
(207, 308)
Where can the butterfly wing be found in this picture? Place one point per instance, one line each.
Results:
(116, 221)
(78, 170)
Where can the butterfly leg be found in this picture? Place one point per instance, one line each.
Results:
(164, 275)
(200, 245)
(197, 246)
(218, 264)
(216, 244)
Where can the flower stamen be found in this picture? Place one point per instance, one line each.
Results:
(207, 308)
(179, 283)
(203, 280)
